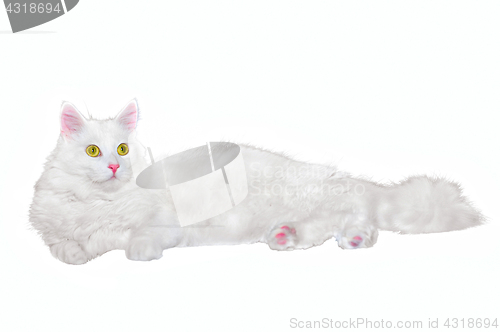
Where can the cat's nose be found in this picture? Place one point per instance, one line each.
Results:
(113, 167)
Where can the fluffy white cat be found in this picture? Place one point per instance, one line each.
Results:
(87, 202)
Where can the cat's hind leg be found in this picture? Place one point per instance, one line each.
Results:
(356, 232)
(351, 230)
(283, 237)
(300, 234)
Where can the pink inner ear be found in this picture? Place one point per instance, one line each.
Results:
(128, 116)
(71, 121)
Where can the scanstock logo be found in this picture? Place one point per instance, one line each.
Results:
(28, 14)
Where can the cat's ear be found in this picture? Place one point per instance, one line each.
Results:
(71, 120)
(129, 115)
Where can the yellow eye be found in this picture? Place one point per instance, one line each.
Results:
(122, 149)
(93, 150)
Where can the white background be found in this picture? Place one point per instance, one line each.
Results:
(383, 89)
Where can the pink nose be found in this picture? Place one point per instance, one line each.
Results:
(114, 167)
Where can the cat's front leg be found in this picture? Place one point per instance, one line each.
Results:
(148, 242)
(143, 247)
(70, 252)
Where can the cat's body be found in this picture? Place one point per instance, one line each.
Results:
(85, 206)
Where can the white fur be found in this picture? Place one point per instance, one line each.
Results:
(81, 212)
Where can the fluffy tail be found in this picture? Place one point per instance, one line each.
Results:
(425, 205)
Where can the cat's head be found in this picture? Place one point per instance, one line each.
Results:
(99, 151)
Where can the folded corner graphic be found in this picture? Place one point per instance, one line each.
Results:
(204, 181)
(28, 14)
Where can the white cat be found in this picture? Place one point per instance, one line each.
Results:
(87, 202)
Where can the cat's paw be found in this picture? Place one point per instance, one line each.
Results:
(143, 249)
(282, 237)
(69, 252)
(355, 242)
(356, 238)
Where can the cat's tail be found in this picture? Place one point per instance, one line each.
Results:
(425, 205)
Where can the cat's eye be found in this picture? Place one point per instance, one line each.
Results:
(122, 149)
(93, 150)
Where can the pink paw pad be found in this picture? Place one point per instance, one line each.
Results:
(356, 241)
(287, 228)
(284, 234)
